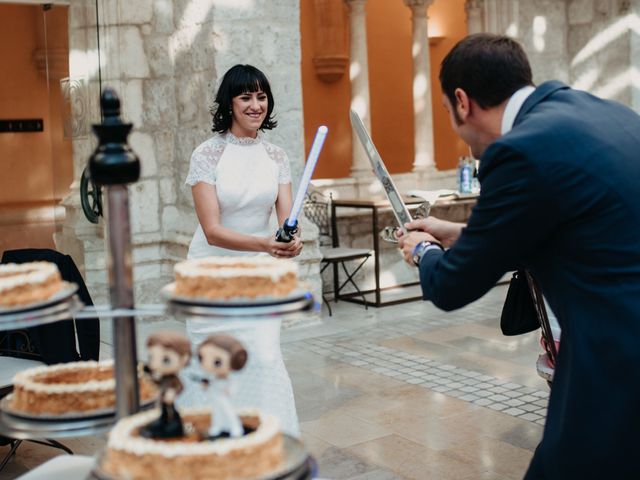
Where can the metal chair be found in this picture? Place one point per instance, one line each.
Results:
(316, 209)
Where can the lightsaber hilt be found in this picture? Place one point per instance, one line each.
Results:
(286, 232)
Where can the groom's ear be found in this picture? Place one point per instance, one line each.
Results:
(463, 106)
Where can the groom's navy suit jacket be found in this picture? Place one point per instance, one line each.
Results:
(560, 196)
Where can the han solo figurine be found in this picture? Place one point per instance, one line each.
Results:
(168, 353)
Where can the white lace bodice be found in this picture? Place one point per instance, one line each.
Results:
(246, 173)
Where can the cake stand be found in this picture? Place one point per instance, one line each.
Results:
(61, 306)
(265, 308)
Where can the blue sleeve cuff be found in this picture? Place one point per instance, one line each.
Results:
(427, 262)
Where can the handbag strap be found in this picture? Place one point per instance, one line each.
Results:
(541, 312)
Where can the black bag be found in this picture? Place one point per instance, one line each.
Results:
(519, 313)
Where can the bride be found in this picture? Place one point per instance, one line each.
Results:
(236, 179)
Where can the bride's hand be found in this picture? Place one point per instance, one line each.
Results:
(283, 250)
(295, 246)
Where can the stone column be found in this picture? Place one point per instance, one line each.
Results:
(359, 75)
(422, 108)
(82, 240)
(475, 16)
(330, 57)
(502, 17)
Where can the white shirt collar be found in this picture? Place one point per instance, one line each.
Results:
(513, 107)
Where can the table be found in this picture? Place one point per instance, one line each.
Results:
(454, 210)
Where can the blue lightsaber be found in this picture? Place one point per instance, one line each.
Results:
(290, 226)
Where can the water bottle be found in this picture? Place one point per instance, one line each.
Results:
(465, 175)
(475, 183)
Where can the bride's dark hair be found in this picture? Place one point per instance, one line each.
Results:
(240, 79)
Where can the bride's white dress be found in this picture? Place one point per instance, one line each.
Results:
(246, 173)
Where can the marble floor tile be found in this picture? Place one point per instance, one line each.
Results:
(413, 461)
(356, 377)
(339, 463)
(495, 456)
(342, 430)
(376, 475)
(315, 396)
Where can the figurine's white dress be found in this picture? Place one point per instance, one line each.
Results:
(225, 419)
(246, 173)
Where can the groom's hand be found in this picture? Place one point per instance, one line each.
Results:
(408, 241)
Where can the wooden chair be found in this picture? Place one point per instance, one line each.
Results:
(317, 208)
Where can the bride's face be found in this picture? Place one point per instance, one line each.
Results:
(249, 111)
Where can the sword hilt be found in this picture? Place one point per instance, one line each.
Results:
(286, 232)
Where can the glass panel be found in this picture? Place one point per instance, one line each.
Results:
(53, 59)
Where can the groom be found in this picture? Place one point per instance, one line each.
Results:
(560, 180)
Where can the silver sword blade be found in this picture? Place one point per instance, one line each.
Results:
(397, 205)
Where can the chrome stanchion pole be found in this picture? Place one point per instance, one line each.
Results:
(114, 165)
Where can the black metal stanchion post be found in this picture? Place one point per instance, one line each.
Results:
(114, 165)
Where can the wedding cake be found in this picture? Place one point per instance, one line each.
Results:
(220, 278)
(133, 457)
(76, 387)
(25, 283)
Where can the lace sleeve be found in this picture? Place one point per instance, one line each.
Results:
(279, 156)
(204, 161)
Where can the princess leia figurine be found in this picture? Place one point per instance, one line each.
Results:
(219, 355)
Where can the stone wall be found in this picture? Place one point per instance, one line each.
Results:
(592, 45)
(165, 59)
(600, 36)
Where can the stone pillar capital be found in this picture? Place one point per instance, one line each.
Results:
(355, 5)
(475, 15)
(418, 5)
(470, 5)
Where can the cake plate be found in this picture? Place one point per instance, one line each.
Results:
(300, 300)
(297, 464)
(22, 426)
(61, 306)
(25, 429)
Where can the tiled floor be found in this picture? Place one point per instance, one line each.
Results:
(405, 391)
